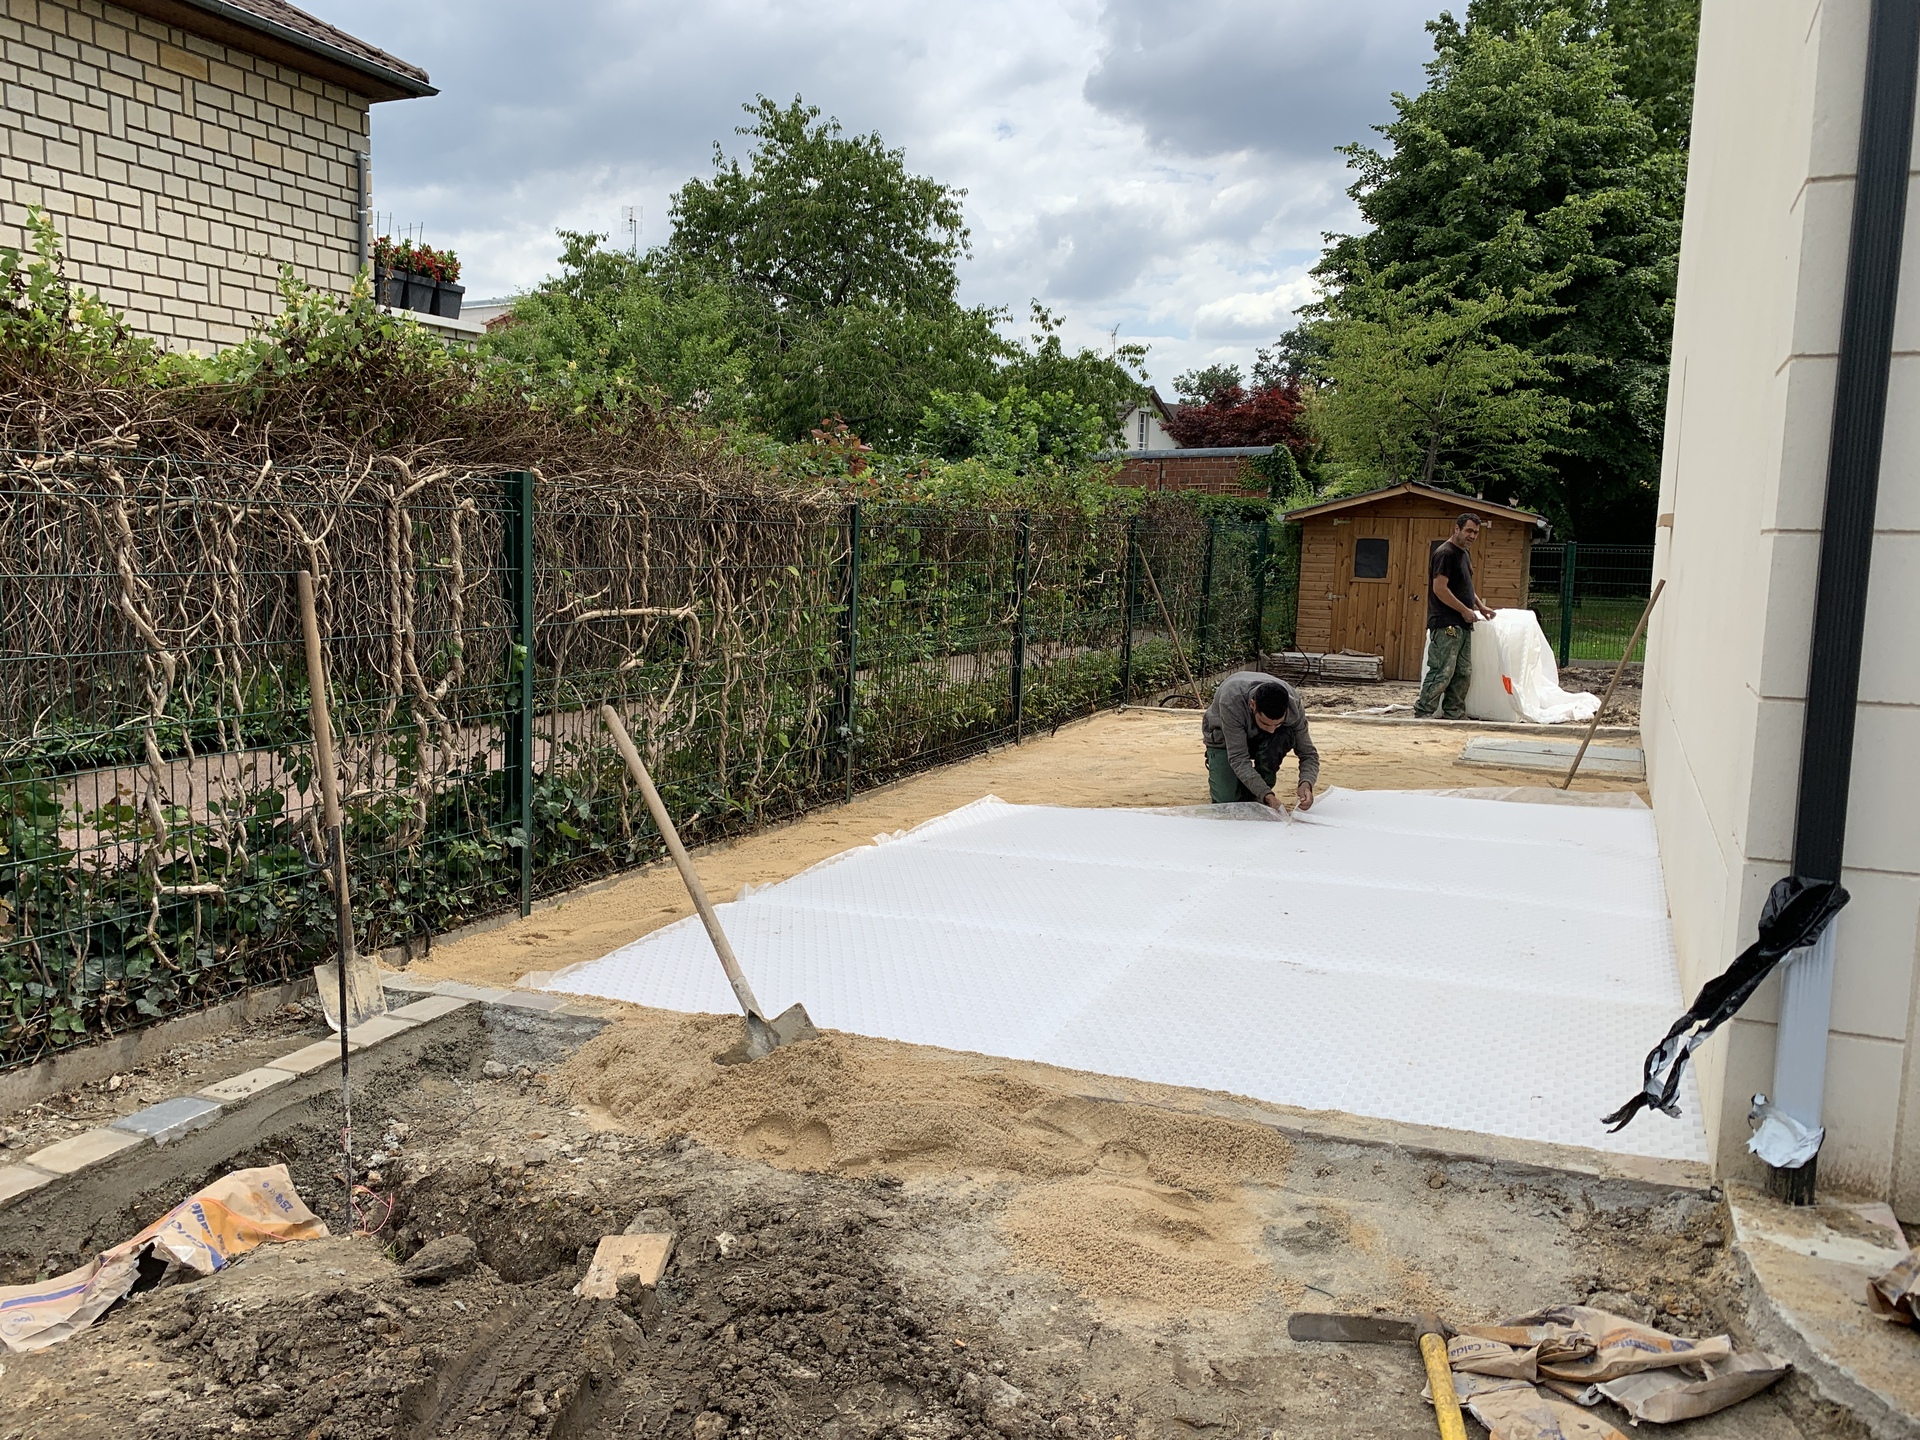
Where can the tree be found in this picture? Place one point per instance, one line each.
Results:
(1526, 169)
(1232, 416)
(1018, 432)
(608, 328)
(820, 220)
(1198, 387)
(1422, 388)
(1112, 382)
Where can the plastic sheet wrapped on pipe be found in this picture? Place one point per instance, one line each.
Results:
(1515, 679)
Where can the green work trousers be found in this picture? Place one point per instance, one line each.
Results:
(1449, 672)
(1223, 786)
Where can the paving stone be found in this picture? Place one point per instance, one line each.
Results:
(431, 1007)
(247, 1085)
(637, 1259)
(380, 1027)
(309, 1059)
(409, 984)
(170, 1119)
(533, 1000)
(18, 1180)
(470, 992)
(82, 1150)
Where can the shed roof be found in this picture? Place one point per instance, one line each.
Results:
(1425, 492)
(279, 32)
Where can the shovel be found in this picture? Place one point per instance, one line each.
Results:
(350, 989)
(1427, 1332)
(763, 1036)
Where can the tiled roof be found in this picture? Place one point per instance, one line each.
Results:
(298, 21)
(287, 35)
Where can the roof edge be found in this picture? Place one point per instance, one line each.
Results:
(1413, 487)
(388, 83)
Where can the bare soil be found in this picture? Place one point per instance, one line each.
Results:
(1025, 1269)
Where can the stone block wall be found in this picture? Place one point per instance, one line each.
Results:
(182, 173)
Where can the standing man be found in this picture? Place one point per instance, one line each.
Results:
(1253, 722)
(1452, 609)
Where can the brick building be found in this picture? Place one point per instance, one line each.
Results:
(187, 148)
(1222, 471)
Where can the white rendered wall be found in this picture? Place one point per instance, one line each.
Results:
(1762, 273)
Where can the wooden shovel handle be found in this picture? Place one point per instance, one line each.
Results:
(317, 706)
(1446, 1401)
(657, 807)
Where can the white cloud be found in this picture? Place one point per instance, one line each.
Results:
(1253, 314)
(1164, 169)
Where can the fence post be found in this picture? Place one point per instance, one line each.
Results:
(1126, 634)
(519, 718)
(850, 640)
(1259, 626)
(1569, 557)
(1023, 534)
(1203, 637)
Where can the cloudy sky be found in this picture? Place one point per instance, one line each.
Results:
(1164, 168)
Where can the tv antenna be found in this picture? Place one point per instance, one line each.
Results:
(632, 216)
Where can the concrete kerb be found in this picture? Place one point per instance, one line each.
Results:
(1805, 1274)
(171, 1120)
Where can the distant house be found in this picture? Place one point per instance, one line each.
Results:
(1143, 428)
(188, 148)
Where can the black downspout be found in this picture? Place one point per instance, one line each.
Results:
(1853, 460)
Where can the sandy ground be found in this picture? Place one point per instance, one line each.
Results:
(873, 1242)
(1126, 757)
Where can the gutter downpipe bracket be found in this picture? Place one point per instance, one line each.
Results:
(1846, 553)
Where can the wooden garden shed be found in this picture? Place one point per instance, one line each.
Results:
(1363, 568)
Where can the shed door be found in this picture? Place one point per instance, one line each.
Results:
(1371, 560)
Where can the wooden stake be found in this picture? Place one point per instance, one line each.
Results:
(1173, 634)
(1618, 671)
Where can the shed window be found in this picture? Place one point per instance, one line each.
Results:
(1369, 559)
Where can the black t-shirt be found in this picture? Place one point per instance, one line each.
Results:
(1454, 563)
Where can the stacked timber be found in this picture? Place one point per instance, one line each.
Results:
(1297, 665)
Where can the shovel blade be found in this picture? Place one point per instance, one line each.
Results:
(1351, 1329)
(366, 996)
(763, 1037)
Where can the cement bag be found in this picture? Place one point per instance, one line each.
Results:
(204, 1232)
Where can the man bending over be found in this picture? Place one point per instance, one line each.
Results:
(1253, 722)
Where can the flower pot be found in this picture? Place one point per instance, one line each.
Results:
(446, 300)
(390, 288)
(420, 290)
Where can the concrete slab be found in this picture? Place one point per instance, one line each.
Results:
(18, 1180)
(1621, 761)
(429, 1007)
(170, 1119)
(620, 1257)
(465, 991)
(380, 1027)
(247, 1085)
(524, 1000)
(1807, 1271)
(311, 1057)
(77, 1153)
(408, 983)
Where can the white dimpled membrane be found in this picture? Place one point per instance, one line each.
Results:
(1481, 965)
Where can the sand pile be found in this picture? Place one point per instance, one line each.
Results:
(1128, 1201)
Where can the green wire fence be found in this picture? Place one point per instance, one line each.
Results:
(158, 828)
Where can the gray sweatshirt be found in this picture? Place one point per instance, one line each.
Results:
(1229, 723)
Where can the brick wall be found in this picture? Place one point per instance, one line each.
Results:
(1213, 474)
(181, 172)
